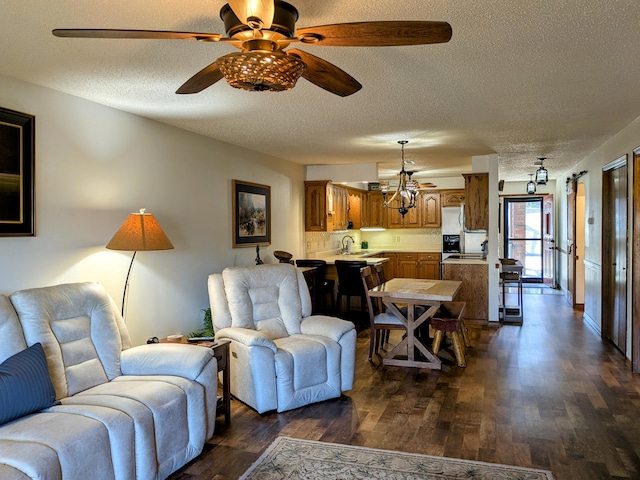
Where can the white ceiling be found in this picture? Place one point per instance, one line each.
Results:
(522, 79)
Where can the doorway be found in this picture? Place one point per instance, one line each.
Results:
(614, 253)
(523, 235)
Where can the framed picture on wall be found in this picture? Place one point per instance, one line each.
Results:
(17, 163)
(251, 214)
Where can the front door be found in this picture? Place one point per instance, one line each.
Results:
(549, 245)
(523, 234)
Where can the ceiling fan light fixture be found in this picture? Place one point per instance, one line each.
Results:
(260, 71)
(245, 16)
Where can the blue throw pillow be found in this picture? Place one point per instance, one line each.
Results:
(25, 384)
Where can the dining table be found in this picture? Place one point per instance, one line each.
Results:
(402, 295)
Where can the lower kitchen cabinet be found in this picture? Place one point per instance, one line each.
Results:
(475, 287)
(407, 265)
(429, 266)
(418, 265)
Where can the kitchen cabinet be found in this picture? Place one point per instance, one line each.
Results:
(390, 267)
(407, 265)
(354, 208)
(452, 198)
(410, 220)
(365, 210)
(325, 206)
(330, 207)
(418, 265)
(429, 266)
(377, 210)
(340, 212)
(476, 186)
(430, 210)
(426, 213)
(316, 206)
(474, 290)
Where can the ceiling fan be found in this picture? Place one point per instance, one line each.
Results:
(263, 29)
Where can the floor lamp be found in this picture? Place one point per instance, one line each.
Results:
(139, 232)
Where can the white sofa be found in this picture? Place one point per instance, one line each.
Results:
(282, 357)
(118, 412)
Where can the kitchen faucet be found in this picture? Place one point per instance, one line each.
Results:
(350, 241)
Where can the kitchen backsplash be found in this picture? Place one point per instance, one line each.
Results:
(321, 242)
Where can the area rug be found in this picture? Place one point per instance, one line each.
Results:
(295, 459)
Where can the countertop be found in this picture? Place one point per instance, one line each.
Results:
(355, 256)
(464, 261)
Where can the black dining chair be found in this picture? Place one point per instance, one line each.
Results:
(323, 287)
(350, 284)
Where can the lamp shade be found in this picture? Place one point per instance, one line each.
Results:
(140, 232)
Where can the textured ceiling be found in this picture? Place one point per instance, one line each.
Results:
(520, 79)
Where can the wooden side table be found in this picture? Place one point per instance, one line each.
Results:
(221, 352)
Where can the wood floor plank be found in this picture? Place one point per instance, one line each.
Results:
(549, 394)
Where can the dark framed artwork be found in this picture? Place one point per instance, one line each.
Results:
(17, 164)
(251, 214)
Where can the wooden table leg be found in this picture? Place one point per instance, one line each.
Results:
(410, 341)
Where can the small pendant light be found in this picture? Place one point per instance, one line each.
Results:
(531, 186)
(541, 174)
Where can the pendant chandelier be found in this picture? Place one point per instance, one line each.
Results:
(531, 186)
(407, 191)
(541, 174)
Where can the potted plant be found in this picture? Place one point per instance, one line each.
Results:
(207, 326)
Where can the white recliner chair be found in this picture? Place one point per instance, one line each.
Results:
(282, 357)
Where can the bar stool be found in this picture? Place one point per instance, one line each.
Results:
(323, 287)
(350, 283)
(449, 320)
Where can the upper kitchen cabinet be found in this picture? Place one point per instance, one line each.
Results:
(430, 210)
(356, 207)
(316, 206)
(340, 212)
(410, 220)
(452, 198)
(365, 210)
(325, 206)
(476, 186)
(376, 210)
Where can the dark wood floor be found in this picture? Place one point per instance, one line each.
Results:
(549, 394)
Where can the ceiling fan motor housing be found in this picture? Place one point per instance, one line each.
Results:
(284, 20)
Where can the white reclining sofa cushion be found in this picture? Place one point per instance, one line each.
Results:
(152, 406)
(281, 356)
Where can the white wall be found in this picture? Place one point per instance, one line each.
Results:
(622, 143)
(95, 165)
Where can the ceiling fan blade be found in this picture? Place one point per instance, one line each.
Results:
(326, 75)
(140, 34)
(201, 80)
(245, 10)
(376, 34)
